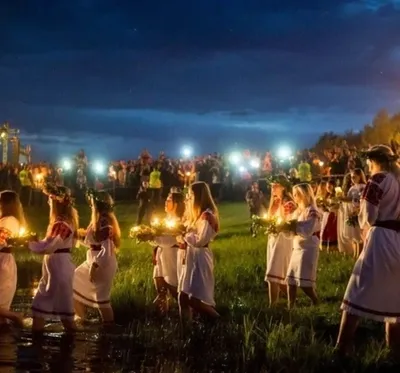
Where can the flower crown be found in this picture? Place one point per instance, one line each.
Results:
(281, 180)
(99, 199)
(58, 194)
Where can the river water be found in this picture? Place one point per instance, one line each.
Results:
(94, 350)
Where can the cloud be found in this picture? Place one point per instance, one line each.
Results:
(158, 72)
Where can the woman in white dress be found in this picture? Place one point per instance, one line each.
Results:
(167, 255)
(279, 246)
(11, 221)
(373, 289)
(94, 278)
(54, 295)
(196, 282)
(302, 271)
(351, 205)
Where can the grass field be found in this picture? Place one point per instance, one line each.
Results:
(250, 336)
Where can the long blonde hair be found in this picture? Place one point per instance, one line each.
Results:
(102, 209)
(307, 195)
(10, 205)
(200, 201)
(65, 211)
(322, 190)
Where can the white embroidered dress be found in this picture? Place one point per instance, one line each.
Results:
(303, 264)
(279, 249)
(102, 251)
(9, 226)
(373, 289)
(54, 296)
(166, 259)
(197, 272)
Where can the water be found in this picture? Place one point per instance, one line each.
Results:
(135, 347)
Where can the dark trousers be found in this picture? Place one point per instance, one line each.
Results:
(143, 213)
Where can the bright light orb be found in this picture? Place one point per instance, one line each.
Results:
(98, 167)
(284, 152)
(255, 163)
(321, 164)
(66, 164)
(242, 169)
(186, 152)
(235, 158)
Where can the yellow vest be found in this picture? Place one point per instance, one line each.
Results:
(24, 178)
(155, 180)
(305, 172)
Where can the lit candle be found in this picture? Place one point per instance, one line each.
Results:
(22, 232)
(156, 221)
(265, 216)
(169, 223)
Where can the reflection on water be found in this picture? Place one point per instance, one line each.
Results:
(92, 350)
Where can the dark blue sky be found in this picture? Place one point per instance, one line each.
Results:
(116, 76)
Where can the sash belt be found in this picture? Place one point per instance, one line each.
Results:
(393, 225)
(6, 250)
(62, 251)
(95, 247)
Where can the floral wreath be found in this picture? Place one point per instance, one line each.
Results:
(58, 194)
(99, 199)
(281, 180)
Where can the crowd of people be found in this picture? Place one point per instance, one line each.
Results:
(226, 177)
(310, 218)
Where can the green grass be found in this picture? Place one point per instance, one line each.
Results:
(250, 336)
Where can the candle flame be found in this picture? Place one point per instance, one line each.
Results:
(265, 216)
(156, 221)
(169, 223)
(135, 229)
(279, 220)
(22, 231)
(187, 173)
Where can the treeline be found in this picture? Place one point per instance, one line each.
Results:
(383, 129)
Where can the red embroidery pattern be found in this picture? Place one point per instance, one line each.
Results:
(60, 229)
(372, 193)
(210, 218)
(5, 234)
(378, 178)
(288, 208)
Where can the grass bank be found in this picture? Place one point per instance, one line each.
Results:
(250, 337)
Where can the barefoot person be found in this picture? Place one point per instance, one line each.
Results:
(11, 221)
(94, 278)
(302, 271)
(54, 296)
(373, 289)
(166, 256)
(196, 282)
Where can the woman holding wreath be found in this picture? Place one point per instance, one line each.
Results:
(94, 277)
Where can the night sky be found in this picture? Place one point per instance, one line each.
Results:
(117, 76)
